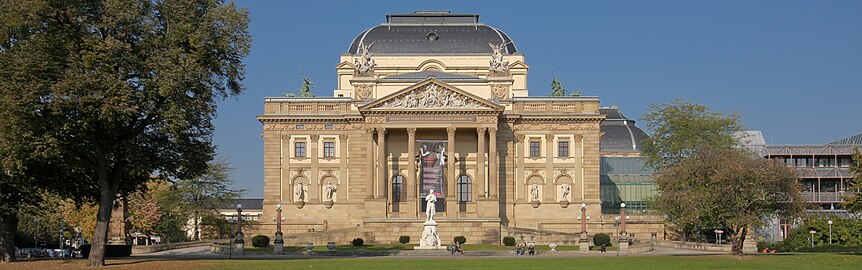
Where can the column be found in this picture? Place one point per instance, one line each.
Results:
(450, 164)
(381, 163)
(369, 163)
(493, 181)
(342, 167)
(314, 154)
(519, 165)
(481, 181)
(412, 185)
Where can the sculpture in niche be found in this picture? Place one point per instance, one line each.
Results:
(431, 96)
(364, 63)
(328, 191)
(534, 192)
(497, 64)
(565, 188)
(300, 190)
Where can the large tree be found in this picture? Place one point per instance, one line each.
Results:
(680, 127)
(119, 90)
(854, 201)
(727, 188)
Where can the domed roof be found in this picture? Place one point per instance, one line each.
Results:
(435, 32)
(620, 133)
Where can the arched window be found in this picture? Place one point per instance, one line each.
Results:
(465, 188)
(397, 188)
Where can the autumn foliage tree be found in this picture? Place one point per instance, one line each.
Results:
(727, 188)
(854, 201)
(115, 91)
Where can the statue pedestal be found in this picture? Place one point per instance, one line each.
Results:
(623, 245)
(430, 239)
(584, 245)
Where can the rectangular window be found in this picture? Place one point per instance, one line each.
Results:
(535, 148)
(299, 149)
(563, 148)
(328, 149)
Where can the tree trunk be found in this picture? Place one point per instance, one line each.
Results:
(197, 221)
(7, 236)
(103, 220)
(738, 241)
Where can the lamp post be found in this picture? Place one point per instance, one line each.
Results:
(584, 242)
(812, 232)
(720, 232)
(62, 247)
(623, 218)
(279, 236)
(239, 242)
(830, 231)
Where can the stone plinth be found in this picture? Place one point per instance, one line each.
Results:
(430, 238)
(584, 245)
(623, 245)
(279, 244)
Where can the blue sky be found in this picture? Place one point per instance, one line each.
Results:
(792, 69)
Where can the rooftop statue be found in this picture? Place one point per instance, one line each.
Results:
(364, 63)
(497, 64)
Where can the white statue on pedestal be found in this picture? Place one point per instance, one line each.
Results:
(300, 191)
(566, 188)
(429, 205)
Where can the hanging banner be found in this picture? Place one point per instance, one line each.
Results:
(432, 170)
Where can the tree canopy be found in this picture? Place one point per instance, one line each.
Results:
(117, 91)
(727, 188)
(680, 127)
(854, 201)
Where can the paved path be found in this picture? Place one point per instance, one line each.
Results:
(203, 252)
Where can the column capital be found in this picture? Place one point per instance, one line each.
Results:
(520, 137)
(450, 131)
(481, 130)
(315, 137)
(549, 137)
(369, 131)
(381, 131)
(492, 131)
(343, 137)
(411, 131)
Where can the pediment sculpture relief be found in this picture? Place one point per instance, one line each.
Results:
(432, 96)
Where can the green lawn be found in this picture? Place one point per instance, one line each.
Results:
(786, 261)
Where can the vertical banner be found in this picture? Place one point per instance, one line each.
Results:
(432, 171)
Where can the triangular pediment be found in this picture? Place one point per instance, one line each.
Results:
(431, 94)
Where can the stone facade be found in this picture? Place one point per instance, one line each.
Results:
(525, 159)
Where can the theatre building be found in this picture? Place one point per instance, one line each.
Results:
(438, 101)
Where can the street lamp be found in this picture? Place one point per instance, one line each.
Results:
(279, 236)
(239, 235)
(812, 232)
(830, 231)
(583, 219)
(623, 218)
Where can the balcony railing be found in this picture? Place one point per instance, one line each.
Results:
(824, 197)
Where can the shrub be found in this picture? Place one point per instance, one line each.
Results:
(509, 241)
(357, 242)
(601, 238)
(260, 241)
(404, 239)
(460, 239)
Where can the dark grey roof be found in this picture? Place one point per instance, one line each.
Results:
(431, 33)
(620, 133)
(422, 75)
(855, 139)
(247, 204)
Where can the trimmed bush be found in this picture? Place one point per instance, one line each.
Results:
(404, 239)
(260, 241)
(357, 242)
(602, 238)
(508, 241)
(460, 239)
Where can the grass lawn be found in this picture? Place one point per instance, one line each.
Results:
(776, 261)
(388, 247)
(801, 261)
